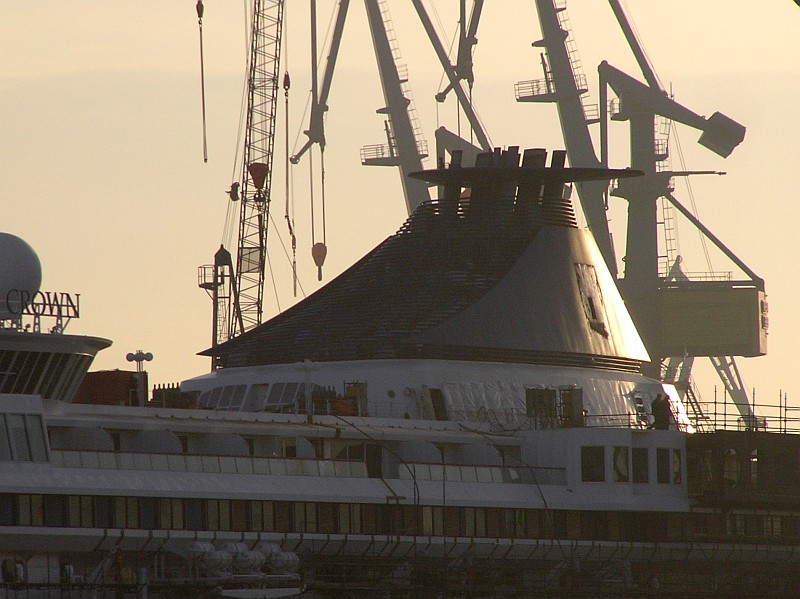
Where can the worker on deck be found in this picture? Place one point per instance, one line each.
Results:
(659, 409)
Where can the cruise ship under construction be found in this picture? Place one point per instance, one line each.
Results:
(479, 407)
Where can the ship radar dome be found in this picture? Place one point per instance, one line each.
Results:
(20, 275)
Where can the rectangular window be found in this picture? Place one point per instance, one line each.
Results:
(754, 525)
(410, 520)
(268, 515)
(33, 427)
(676, 467)
(494, 526)
(37, 510)
(772, 526)
(165, 512)
(394, 520)
(572, 407)
(103, 512)
(519, 523)
(87, 519)
(132, 511)
(593, 464)
(533, 528)
(256, 516)
(735, 525)
(239, 513)
(5, 446)
(427, 520)
(74, 511)
(194, 514)
(452, 521)
(541, 407)
(54, 510)
(224, 514)
(283, 516)
(177, 514)
(621, 467)
(119, 512)
(299, 516)
(469, 524)
(438, 521)
(327, 518)
(369, 518)
(641, 469)
(344, 518)
(6, 509)
(480, 522)
(148, 507)
(662, 465)
(559, 524)
(19, 440)
(24, 510)
(212, 514)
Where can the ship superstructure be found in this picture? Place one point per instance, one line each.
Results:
(475, 408)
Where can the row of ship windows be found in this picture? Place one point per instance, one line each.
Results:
(384, 519)
(630, 464)
(285, 397)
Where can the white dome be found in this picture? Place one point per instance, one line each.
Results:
(20, 275)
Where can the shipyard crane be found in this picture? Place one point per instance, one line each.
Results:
(405, 147)
(237, 287)
(668, 311)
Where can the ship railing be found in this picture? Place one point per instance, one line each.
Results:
(207, 463)
(484, 474)
(621, 420)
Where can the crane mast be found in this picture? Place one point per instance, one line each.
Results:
(256, 178)
(236, 288)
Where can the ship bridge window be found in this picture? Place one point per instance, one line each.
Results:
(282, 397)
(22, 438)
(225, 398)
(232, 397)
(256, 398)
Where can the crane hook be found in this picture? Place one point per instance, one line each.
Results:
(318, 251)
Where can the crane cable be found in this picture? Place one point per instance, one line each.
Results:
(318, 250)
(289, 218)
(199, 7)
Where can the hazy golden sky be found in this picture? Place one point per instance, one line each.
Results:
(102, 171)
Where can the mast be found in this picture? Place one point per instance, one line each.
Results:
(237, 288)
(256, 178)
